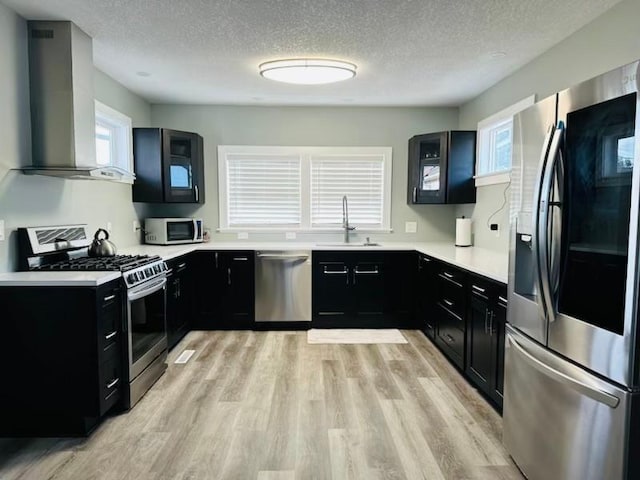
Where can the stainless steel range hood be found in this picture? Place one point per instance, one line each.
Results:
(62, 103)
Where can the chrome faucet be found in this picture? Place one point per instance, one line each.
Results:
(345, 219)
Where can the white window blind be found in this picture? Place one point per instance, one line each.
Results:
(301, 188)
(263, 190)
(359, 177)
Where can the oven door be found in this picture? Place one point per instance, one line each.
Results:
(146, 312)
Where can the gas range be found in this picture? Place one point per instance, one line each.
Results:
(65, 248)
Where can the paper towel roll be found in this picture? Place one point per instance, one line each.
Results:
(463, 232)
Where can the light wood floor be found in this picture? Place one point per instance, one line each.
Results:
(268, 406)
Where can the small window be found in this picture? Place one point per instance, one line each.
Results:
(495, 141)
(301, 188)
(114, 141)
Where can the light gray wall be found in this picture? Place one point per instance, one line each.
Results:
(318, 126)
(37, 200)
(611, 40)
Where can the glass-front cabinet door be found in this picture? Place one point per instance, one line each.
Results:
(183, 167)
(428, 168)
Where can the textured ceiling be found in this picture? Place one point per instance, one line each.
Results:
(408, 52)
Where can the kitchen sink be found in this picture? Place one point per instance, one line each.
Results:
(350, 244)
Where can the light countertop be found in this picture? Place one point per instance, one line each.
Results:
(488, 263)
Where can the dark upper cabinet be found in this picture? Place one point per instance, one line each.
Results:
(224, 289)
(169, 166)
(441, 168)
(485, 336)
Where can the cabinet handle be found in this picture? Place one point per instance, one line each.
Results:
(450, 339)
(486, 320)
(491, 323)
(197, 193)
(109, 298)
(112, 384)
(415, 194)
(111, 335)
(502, 299)
(240, 259)
(448, 302)
(228, 276)
(344, 271)
(216, 255)
(375, 271)
(182, 265)
(447, 274)
(478, 289)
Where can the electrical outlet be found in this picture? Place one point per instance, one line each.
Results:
(410, 227)
(136, 226)
(243, 235)
(290, 235)
(109, 227)
(1, 230)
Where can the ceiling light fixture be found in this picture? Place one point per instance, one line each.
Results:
(307, 71)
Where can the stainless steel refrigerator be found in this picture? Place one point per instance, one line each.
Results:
(572, 364)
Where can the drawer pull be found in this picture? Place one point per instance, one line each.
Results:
(502, 299)
(111, 335)
(447, 274)
(478, 289)
(449, 279)
(447, 302)
(109, 298)
(364, 272)
(450, 339)
(336, 272)
(182, 265)
(112, 384)
(240, 259)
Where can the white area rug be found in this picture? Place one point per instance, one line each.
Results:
(355, 335)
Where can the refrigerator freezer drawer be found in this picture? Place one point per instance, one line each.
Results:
(559, 420)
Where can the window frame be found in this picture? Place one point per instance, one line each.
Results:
(486, 132)
(305, 153)
(121, 127)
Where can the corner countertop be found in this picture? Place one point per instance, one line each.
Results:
(488, 263)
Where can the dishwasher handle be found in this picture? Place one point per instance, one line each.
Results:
(268, 256)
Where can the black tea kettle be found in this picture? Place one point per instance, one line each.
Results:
(102, 247)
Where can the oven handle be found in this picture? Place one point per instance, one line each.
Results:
(154, 287)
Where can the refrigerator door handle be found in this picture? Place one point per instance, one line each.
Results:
(543, 222)
(535, 240)
(596, 394)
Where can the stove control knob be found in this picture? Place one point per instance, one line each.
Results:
(130, 279)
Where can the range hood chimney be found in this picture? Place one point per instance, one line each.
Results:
(62, 102)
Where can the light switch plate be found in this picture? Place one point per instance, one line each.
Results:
(290, 235)
(1, 230)
(410, 227)
(243, 235)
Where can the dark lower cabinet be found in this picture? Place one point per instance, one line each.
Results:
(426, 296)
(179, 299)
(363, 289)
(348, 289)
(225, 289)
(62, 358)
(450, 308)
(485, 336)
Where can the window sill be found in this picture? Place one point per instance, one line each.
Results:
(493, 178)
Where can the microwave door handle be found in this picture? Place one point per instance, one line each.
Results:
(195, 227)
(543, 222)
(535, 240)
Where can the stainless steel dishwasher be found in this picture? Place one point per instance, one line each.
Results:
(283, 286)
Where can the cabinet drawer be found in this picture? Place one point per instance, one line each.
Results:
(109, 318)
(450, 336)
(111, 383)
(452, 298)
(452, 276)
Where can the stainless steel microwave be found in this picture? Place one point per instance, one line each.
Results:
(172, 231)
